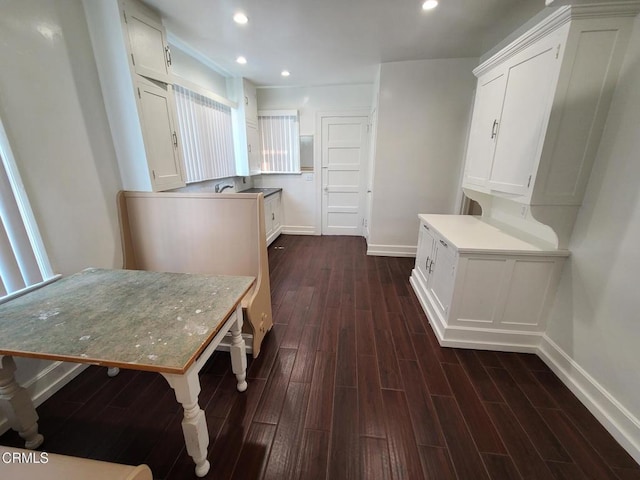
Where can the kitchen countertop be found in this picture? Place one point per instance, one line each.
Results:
(471, 234)
(265, 191)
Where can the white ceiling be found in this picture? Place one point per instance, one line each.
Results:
(326, 42)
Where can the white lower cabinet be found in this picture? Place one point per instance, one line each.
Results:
(273, 216)
(482, 287)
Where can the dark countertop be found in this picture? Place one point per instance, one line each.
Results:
(265, 191)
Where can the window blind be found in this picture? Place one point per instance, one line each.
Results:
(23, 260)
(207, 136)
(279, 141)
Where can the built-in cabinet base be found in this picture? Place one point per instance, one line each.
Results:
(472, 337)
(482, 287)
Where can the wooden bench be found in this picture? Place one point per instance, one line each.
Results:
(212, 233)
(19, 464)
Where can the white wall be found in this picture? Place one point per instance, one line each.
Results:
(423, 116)
(53, 112)
(300, 205)
(595, 321)
(185, 66)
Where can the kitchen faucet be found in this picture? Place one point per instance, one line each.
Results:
(221, 188)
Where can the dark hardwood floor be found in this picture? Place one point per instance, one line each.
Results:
(351, 384)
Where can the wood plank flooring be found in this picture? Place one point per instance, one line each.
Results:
(351, 384)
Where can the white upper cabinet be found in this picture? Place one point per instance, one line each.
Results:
(149, 50)
(484, 128)
(130, 49)
(528, 92)
(160, 134)
(541, 104)
(246, 135)
(250, 102)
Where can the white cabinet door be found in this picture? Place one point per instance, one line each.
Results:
(272, 217)
(250, 102)
(268, 214)
(276, 211)
(424, 254)
(160, 135)
(150, 52)
(443, 271)
(253, 149)
(530, 82)
(245, 132)
(484, 128)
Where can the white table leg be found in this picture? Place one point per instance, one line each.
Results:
(17, 405)
(194, 423)
(238, 352)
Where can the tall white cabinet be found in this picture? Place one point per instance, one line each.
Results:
(541, 103)
(134, 65)
(539, 112)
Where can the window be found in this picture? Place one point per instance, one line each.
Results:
(23, 261)
(207, 136)
(279, 141)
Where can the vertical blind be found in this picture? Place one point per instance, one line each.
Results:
(279, 141)
(23, 260)
(207, 136)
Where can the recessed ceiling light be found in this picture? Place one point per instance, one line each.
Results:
(285, 73)
(241, 60)
(240, 18)
(429, 4)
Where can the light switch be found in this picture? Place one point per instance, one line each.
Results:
(308, 177)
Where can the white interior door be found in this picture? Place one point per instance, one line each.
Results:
(344, 162)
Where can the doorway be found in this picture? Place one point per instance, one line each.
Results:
(344, 143)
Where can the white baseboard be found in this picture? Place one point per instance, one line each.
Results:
(298, 230)
(618, 421)
(47, 382)
(391, 250)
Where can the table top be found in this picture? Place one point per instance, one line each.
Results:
(122, 318)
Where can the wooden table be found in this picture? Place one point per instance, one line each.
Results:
(168, 323)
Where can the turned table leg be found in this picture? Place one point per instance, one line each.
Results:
(194, 423)
(17, 405)
(238, 352)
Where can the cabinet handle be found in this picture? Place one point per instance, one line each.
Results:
(494, 130)
(167, 52)
(249, 147)
(175, 140)
(425, 227)
(273, 216)
(246, 100)
(444, 244)
(430, 267)
(426, 265)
